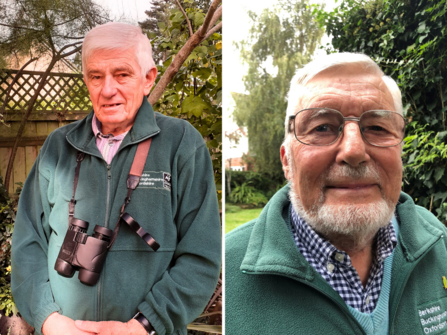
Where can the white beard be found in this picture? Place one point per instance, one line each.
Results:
(350, 225)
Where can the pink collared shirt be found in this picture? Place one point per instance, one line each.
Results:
(108, 145)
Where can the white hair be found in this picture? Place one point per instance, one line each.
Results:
(342, 59)
(122, 36)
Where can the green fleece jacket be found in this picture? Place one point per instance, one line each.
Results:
(271, 289)
(171, 286)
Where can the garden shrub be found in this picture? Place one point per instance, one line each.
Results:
(8, 210)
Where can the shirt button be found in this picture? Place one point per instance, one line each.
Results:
(330, 267)
(339, 257)
(367, 300)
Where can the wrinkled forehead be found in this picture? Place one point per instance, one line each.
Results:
(348, 87)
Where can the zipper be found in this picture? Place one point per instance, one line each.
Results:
(106, 224)
(404, 283)
(109, 177)
(342, 307)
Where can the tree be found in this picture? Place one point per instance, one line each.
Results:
(160, 11)
(288, 36)
(407, 39)
(192, 74)
(37, 28)
(233, 138)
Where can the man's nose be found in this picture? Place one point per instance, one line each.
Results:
(352, 148)
(109, 87)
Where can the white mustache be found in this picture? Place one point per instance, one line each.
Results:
(363, 172)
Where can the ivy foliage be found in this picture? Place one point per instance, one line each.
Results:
(425, 157)
(195, 92)
(283, 38)
(8, 210)
(407, 39)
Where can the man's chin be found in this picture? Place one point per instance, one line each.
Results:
(352, 225)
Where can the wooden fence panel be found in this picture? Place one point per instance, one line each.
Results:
(19, 167)
(64, 99)
(4, 159)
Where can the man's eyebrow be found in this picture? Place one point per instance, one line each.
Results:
(122, 68)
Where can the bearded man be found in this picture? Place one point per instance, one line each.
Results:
(340, 249)
(84, 176)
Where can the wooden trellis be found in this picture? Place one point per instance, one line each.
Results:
(63, 99)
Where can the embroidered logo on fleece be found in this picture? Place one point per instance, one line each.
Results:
(155, 179)
(433, 317)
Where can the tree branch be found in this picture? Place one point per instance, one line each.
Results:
(191, 32)
(59, 24)
(23, 122)
(90, 23)
(69, 45)
(212, 31)
(217, 15)
(209, 16)
(20, 27)
(70, 52)
(184, 52)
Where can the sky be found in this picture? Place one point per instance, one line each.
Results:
(235, 28)
(132, 9)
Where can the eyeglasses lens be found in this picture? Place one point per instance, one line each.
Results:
(323, 126)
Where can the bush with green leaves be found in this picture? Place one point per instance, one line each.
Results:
(195, 92)
(260, 181)
(247, 194)
(407, 39)
(425, 176)
(8, 210)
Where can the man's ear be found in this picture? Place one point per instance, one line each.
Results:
(149, 80)
(285, 162)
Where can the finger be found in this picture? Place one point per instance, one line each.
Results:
(88, 326)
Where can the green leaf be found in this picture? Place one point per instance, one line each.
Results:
(203, 74)
(422, 37)
(439, 172)
(421, 27)
(442, 134)
(195, 105)
(199, 18)
(161, 25)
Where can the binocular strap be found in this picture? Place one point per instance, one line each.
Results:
(132, 182)
(71, 205)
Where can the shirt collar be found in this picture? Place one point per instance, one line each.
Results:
(322, 250)
(97, 130)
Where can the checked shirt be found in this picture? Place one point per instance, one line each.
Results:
(335, 265)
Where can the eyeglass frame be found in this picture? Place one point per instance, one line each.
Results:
(349, 118)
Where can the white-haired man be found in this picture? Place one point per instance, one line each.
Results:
(339, 250)
(140, 290)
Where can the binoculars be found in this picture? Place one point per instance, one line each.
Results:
(83, 252)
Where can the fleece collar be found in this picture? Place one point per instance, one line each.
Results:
(82, 137)
(271, 248)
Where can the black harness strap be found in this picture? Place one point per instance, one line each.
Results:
(132, 182)
(71, 206)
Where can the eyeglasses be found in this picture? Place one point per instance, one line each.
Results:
(323, 126)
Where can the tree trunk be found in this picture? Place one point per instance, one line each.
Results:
(14, 325)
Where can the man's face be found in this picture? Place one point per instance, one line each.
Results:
(116, 88)
(349, 174)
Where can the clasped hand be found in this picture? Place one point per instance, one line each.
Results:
(57, 324)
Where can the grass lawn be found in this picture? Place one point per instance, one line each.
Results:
(235, 216)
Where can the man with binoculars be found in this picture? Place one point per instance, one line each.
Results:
(110, 239)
